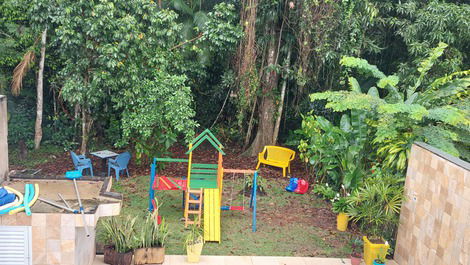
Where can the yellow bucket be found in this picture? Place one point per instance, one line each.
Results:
(194, 252)
(372, 251)
(342, 222)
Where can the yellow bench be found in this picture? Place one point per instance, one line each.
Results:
(276, 156)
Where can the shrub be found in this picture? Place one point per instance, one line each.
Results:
(341, 205)
(376, 205)
(325, 191)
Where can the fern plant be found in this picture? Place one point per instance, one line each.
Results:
(437, 113)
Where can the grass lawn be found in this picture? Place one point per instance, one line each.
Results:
(288, 224)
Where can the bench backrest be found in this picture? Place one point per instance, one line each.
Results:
(277, 153)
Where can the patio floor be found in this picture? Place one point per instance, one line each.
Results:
(245, 260)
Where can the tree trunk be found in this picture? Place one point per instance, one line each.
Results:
(283, 94)
(86, 126)
(39, 100)
(265, 132)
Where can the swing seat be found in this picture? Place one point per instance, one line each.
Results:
(232, 208)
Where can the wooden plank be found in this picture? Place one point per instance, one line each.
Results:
(240, 171)
(206, 215)
(198, 191)
(215, 139)
(196, 170)
(211, 141)
(167, 159)
(199, 136)
(212, 215)
(203, 166)
(201, 176)
(218, 231)
(202, 184)
(189, 169)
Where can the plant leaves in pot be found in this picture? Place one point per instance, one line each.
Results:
(340, 206)
(194, 242)
(104, 236)
(381, 256)
(150, 241)
(122, 231)
(356, 249)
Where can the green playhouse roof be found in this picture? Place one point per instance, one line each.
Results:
(206, 135)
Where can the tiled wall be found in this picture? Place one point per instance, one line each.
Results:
(435, 220)
(59, 238)
(53, 235)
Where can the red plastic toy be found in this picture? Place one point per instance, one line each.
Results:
(302, 186)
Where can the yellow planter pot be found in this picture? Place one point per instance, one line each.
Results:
(194, 251)
(372, 251)
(342, 222)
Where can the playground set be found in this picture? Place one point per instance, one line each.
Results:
(202, 188)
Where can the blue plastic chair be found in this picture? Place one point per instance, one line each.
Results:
(81, 162)
(119, 164)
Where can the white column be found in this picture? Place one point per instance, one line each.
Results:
(3, 138)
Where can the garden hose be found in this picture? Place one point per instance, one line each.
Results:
(31, 201)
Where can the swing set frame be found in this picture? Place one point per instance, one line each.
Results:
(207, 178)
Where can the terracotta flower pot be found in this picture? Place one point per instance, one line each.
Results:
(149, 256)
(109, 253)
(355, 259)
(123, 258)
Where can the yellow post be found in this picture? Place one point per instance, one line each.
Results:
(189, 166)
(186, 205)
(220, 175)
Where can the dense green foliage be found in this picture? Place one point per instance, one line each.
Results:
(430, 110)
(352, 84)
(389, 117)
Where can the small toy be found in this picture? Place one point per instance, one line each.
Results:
(302, 186)
(292, 184)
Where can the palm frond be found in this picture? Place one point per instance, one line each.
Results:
(20, 72)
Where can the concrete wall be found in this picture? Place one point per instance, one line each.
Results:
(3, 139)
(435, 220)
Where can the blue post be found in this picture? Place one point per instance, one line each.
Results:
(153, 169)
(253, 199)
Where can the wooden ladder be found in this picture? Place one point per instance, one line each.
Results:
(187, 211)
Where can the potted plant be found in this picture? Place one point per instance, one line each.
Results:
(375, 248)
(150, 241)
(340, 206)
(376, 207)
(381, 257)
(193, 243)
(122, 232)
(104, 235)
(356, 252)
